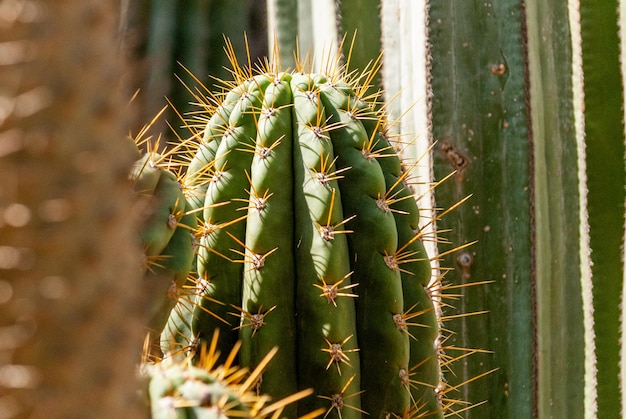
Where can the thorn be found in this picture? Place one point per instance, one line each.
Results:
(329, 230)
(338, 400)
(332, 291)
(255, 321)
(337, 354)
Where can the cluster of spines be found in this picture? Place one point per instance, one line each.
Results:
(235, 135)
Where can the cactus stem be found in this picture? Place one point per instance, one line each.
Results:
(260, 149)
(150, 262)
(256, 201)
(447, 360)
(394, 261)
(207, 228)
(230, 376)
(325, 153)
(206, 310)
(448, 403)
(458, 316)
(322, 127)
(453, 207)
(456, 249)
(363, 80)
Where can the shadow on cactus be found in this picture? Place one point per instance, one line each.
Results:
(306, 238)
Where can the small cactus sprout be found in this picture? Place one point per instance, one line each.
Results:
(211, 390)
(307, 240)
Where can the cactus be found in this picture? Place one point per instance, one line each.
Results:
(525, 100)
(551, 237)
(211, 391)
(531, 93)
(166, 232)
(308, 240)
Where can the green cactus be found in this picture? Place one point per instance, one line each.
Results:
(211, 391)
(308, 241)
(166, 233)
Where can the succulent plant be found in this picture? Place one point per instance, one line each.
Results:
(210, 390)
(308, 241)
(166, 232)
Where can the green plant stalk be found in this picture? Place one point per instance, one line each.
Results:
(232, 20)
(604, 144)
(223, 198)
(504, 100)
(479, 117)
(212, 390)
(193, 27)
(560, 348)
(360, 22)
(167, 241)
(185, 391)
(166, 37)
(160, 44)
(317, 28)
(374, 236)
(283, 31)
(306, 28)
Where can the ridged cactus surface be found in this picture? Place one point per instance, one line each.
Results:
(308, 241)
